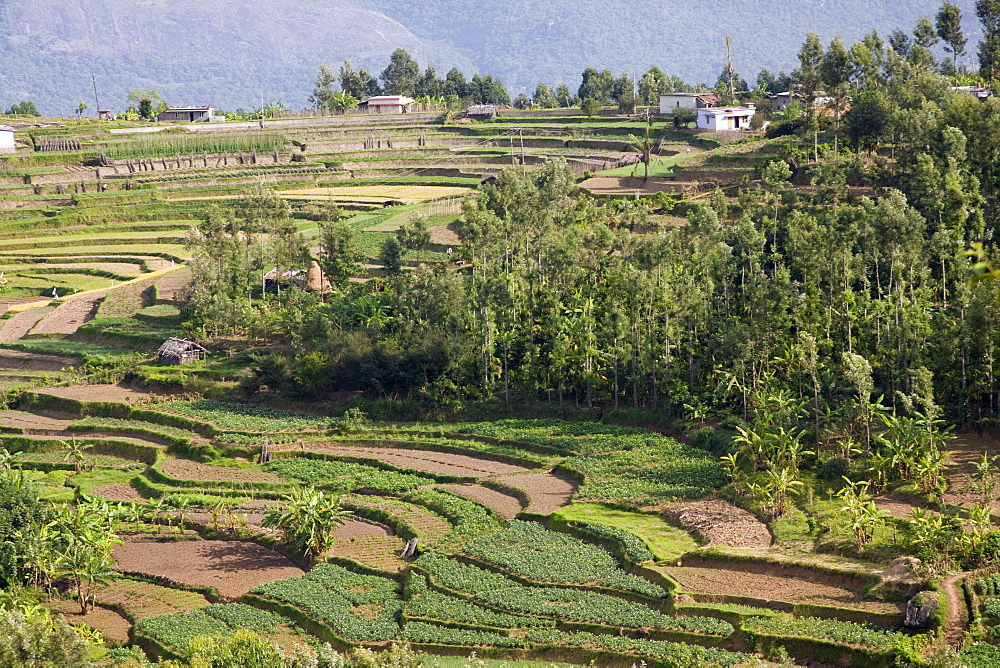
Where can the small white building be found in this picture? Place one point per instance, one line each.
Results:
(7, 140)
(726, 118)
(671, 101)
(188, 114)
(976, 91)
(387, 104)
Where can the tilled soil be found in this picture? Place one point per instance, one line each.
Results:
(963, 452)
(504, 505)
(772, 588)
(117, 492)
(113, 393)
(142, 600)
(427, 525)
(721, 523)
(441, 463)
(20, 324)
(232, 567)
(173, 285)
(16, 359)
(547, 492)
(112, 625)
(70, 315)
(30, 421)
(378, 552)
(185, 469)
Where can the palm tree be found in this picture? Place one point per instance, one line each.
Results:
(644, 145)
(308, 519)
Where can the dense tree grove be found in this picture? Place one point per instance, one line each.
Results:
(570, 299)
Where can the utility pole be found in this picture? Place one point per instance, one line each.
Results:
(516, 129)
(97, 99)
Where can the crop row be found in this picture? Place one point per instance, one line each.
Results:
(988, 585)
(569, 437)
(530, 550)
(633, 549)
(429, 604)
(357, 607)
(470, 519)
(421, 632)
(647, 476)
(134, 426)
(340, 476)
(179, 629)
(241, 616)
(668, 654)
(568, 604)
(991, 608)
(849, 633)
(244, 417)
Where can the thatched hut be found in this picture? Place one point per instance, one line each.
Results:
(181, 351)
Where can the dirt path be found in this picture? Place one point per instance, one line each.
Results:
(32, 421)
(18, 327)
(113, 393)
(957, 623)
(68, 317)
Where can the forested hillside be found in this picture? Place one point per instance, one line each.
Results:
(232, 52)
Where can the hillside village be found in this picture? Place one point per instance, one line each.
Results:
(430, 374)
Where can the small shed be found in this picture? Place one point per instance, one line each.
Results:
(7, 139)
(188, 114)
(387, 104)
(181, 351)
(279, 277)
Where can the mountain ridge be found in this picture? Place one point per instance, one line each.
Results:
(232, 52)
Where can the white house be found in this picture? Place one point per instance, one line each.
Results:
(726, 118)
(7, 140)
(188, 114)
(671, 101)
(387, 104)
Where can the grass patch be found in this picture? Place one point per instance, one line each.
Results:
(666, 542)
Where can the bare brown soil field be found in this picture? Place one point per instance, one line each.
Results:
(547, 492)
(185, 469)
(112, 393)
(427, 525)
(20, 324)
(232, 567)
(721, 523)
(721, 581)
(144, 599)
(68, 317)
(504, 505)
(174, 285)
(964, 451)
(111, 624)
(380, 551)
(421, 460)
(22, 420)
(16, 359)
(117, 492)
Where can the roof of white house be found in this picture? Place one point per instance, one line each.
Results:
(389, 100)
(729, 111)
(6, 128)
(188, 109)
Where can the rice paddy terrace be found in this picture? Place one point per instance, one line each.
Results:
(564, 542)
(537, 539)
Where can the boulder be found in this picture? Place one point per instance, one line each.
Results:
(902, 579)
(919, 610)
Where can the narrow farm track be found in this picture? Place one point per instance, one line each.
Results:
(30, 421)
(957, 620)
(504, 505)
(441, 463)
(547, 492)
(68, 317)
(18, 326)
